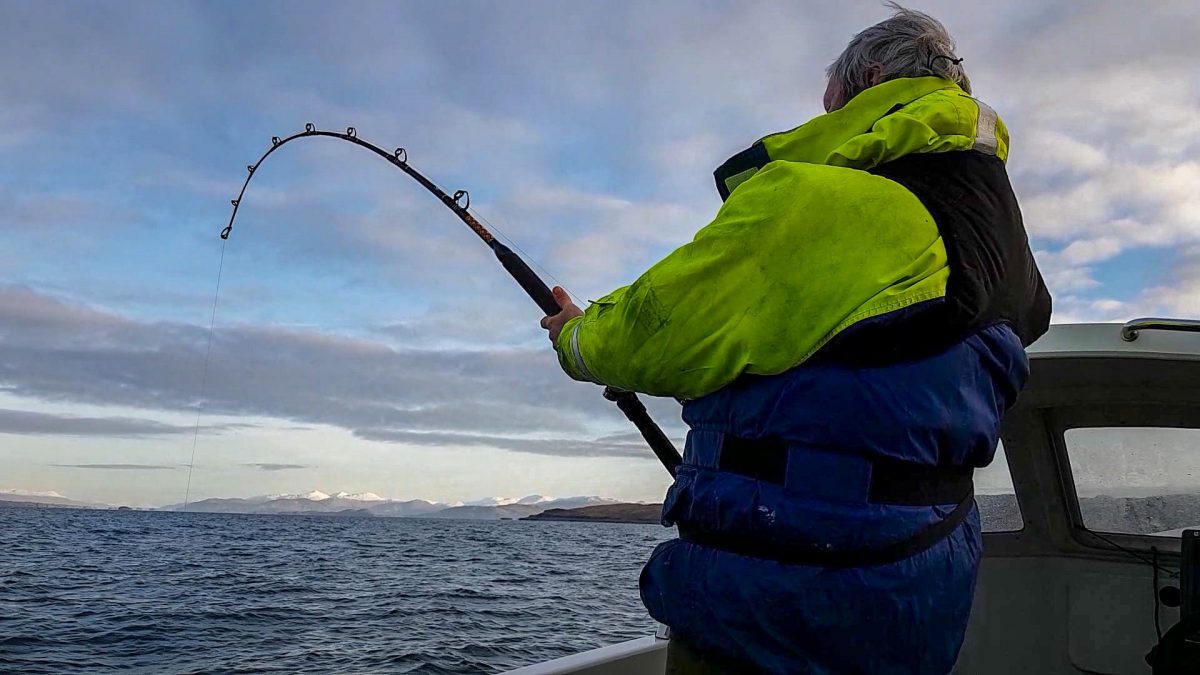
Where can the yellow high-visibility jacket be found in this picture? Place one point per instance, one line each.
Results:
(807, 244)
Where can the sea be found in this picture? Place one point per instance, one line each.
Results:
(86, 591)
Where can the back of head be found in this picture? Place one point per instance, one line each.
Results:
(908, 44)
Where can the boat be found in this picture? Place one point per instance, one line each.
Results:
(1102, 455)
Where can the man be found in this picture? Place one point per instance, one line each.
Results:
(846, 335)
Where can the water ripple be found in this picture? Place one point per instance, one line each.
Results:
(101, 591)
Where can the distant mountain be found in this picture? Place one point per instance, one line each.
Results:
(15, 504)
(318, 496)
(575, 502)
(412, 508)
(315, 496)
(517, 509)
(360, 496)
(292, 504)
(1135, 515)
(317, 502)
(506, 501)
(510, 511)
(47, 498)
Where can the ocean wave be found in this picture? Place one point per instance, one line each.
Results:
(159, 592)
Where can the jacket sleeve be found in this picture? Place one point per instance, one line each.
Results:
(783, 266)
(680, 329)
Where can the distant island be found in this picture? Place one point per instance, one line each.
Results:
(604, 513)
(999, 511)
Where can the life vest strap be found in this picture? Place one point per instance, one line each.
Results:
(882, 481)
(815, 556)
(889, 481)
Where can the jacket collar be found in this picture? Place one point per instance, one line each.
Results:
(881, 124)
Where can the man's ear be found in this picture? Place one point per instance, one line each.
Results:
(874, 73)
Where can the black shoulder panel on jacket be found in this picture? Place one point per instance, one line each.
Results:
(993, 276)
(747, 162)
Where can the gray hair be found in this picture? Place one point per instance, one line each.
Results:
(909, 44)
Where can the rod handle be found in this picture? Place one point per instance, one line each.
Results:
(533, 285)
(627, 401)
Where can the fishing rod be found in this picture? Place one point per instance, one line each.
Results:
(534, 287)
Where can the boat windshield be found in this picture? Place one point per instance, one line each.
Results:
(1136, 480)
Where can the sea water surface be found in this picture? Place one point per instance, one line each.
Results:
(156, 592)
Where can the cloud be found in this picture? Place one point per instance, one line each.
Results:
(27, 423)
(483, 326)
(1135, 204)
(1063, 279)
(118, 467)
(620, 234)
(59, 210)
(1085, 251)
(1180, 297)
(621, 119)
(1056, 152)
(269, 466)
(511, 397)
(586, 133)
(1070, 270)
(1074, 309)
(616, 445)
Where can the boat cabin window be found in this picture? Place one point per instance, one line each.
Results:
(996, 496)
(1136, 480)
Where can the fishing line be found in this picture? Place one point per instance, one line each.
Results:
(460, 203)
(212, 322)
(511, 242)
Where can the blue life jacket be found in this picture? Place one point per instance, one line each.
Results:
(789, 478)
(837, 420)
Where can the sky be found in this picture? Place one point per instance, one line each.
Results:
(364, 339)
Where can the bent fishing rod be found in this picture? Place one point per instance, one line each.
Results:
(534, 287)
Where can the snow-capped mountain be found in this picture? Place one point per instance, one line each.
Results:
(359, 496)
(369, 503)
(317, 502)
(490, 501)
(33, 493)
(505, 501)
(46, 497)
(315, 495)
(319, 496)
(503, 508)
